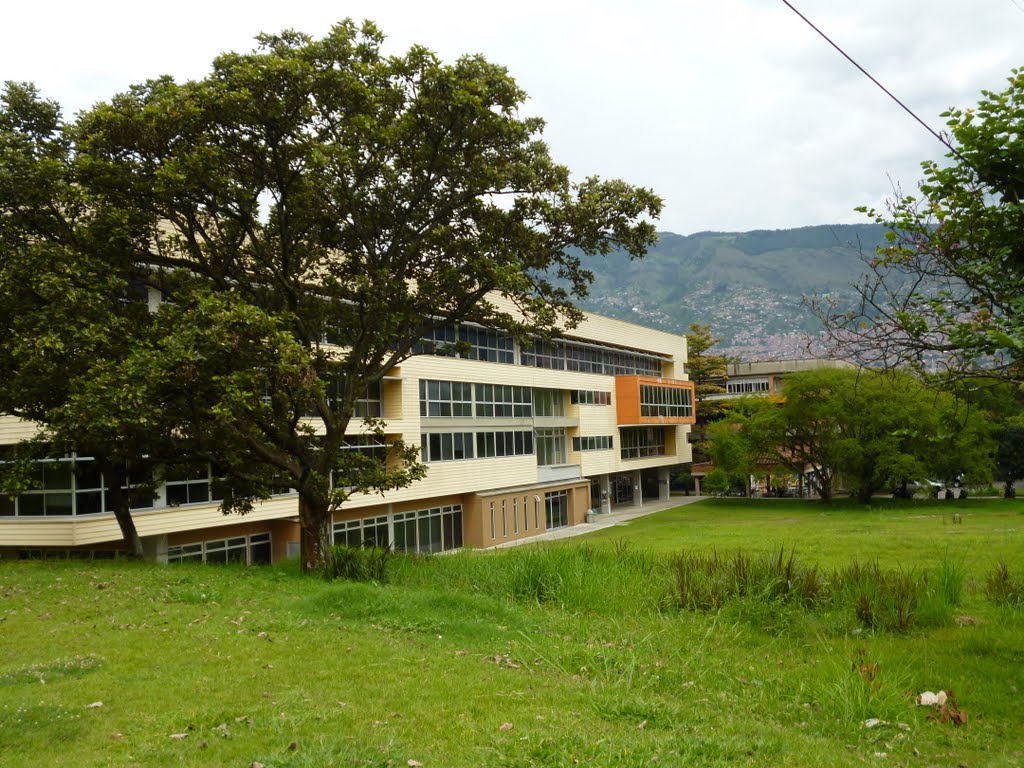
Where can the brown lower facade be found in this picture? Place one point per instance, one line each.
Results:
(476, 520)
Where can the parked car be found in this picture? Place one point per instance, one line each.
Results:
(911, 488)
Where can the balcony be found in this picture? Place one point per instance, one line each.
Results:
(555, 472)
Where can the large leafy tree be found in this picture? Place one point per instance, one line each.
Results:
(315, 190)
(870, 429)
(947, 291)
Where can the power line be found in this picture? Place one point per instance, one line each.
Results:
(942, 140)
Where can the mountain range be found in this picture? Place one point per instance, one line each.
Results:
(748, 286)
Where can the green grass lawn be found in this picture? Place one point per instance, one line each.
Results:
(896, 533)
(561, 655)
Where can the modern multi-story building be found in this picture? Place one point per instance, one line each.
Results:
(517, 440)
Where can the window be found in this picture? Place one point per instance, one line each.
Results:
(548, 402)
(372, 447)
(64, 487)
(494, 533)
(471, 342)
(254, 549)
(566, 355)
(446, 446)
(585, 359)
(405, 532)
(746, 386)
(260, 551)
(592, 443)
(642, 442)
(447, 399)
(368, 403)
(551, 445)
(670, 402)
(429, 530)
(187, 484)
(368, 532)
(515, 515)
(55, 480)
(556, 509)
(485, 344)
(185, 553)
(508, 443)
(545, 354)
(503, 401)
(589, 397)
(437, 340)
(226, 550)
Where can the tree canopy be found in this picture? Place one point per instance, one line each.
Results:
(309, 212)
(864, 429)
(947, 291)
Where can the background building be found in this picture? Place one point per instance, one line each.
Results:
(757, 379)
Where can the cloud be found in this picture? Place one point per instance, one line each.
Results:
(738, 113)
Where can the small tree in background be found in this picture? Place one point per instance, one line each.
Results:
(869, 428)
(705, 371)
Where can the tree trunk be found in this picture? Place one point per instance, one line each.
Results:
(121, 504)
(1009, 492)
(823, 485)
(315, 533)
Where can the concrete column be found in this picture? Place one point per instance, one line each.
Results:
(154, 548)
(605, 481)
(664, 483)
(638, 490)
(696, 485)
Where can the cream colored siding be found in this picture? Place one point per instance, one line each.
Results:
(76, 531)
(455, 477)
(14, 430)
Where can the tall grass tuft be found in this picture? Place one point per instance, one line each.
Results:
(880, 599)
(1002, 588)
(707, 581)
(357, 563)
(863, 688)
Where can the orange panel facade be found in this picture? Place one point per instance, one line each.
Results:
(643, 400)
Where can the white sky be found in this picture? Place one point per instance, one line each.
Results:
(735, 111)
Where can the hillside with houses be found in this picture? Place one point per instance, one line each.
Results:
(749, 286)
